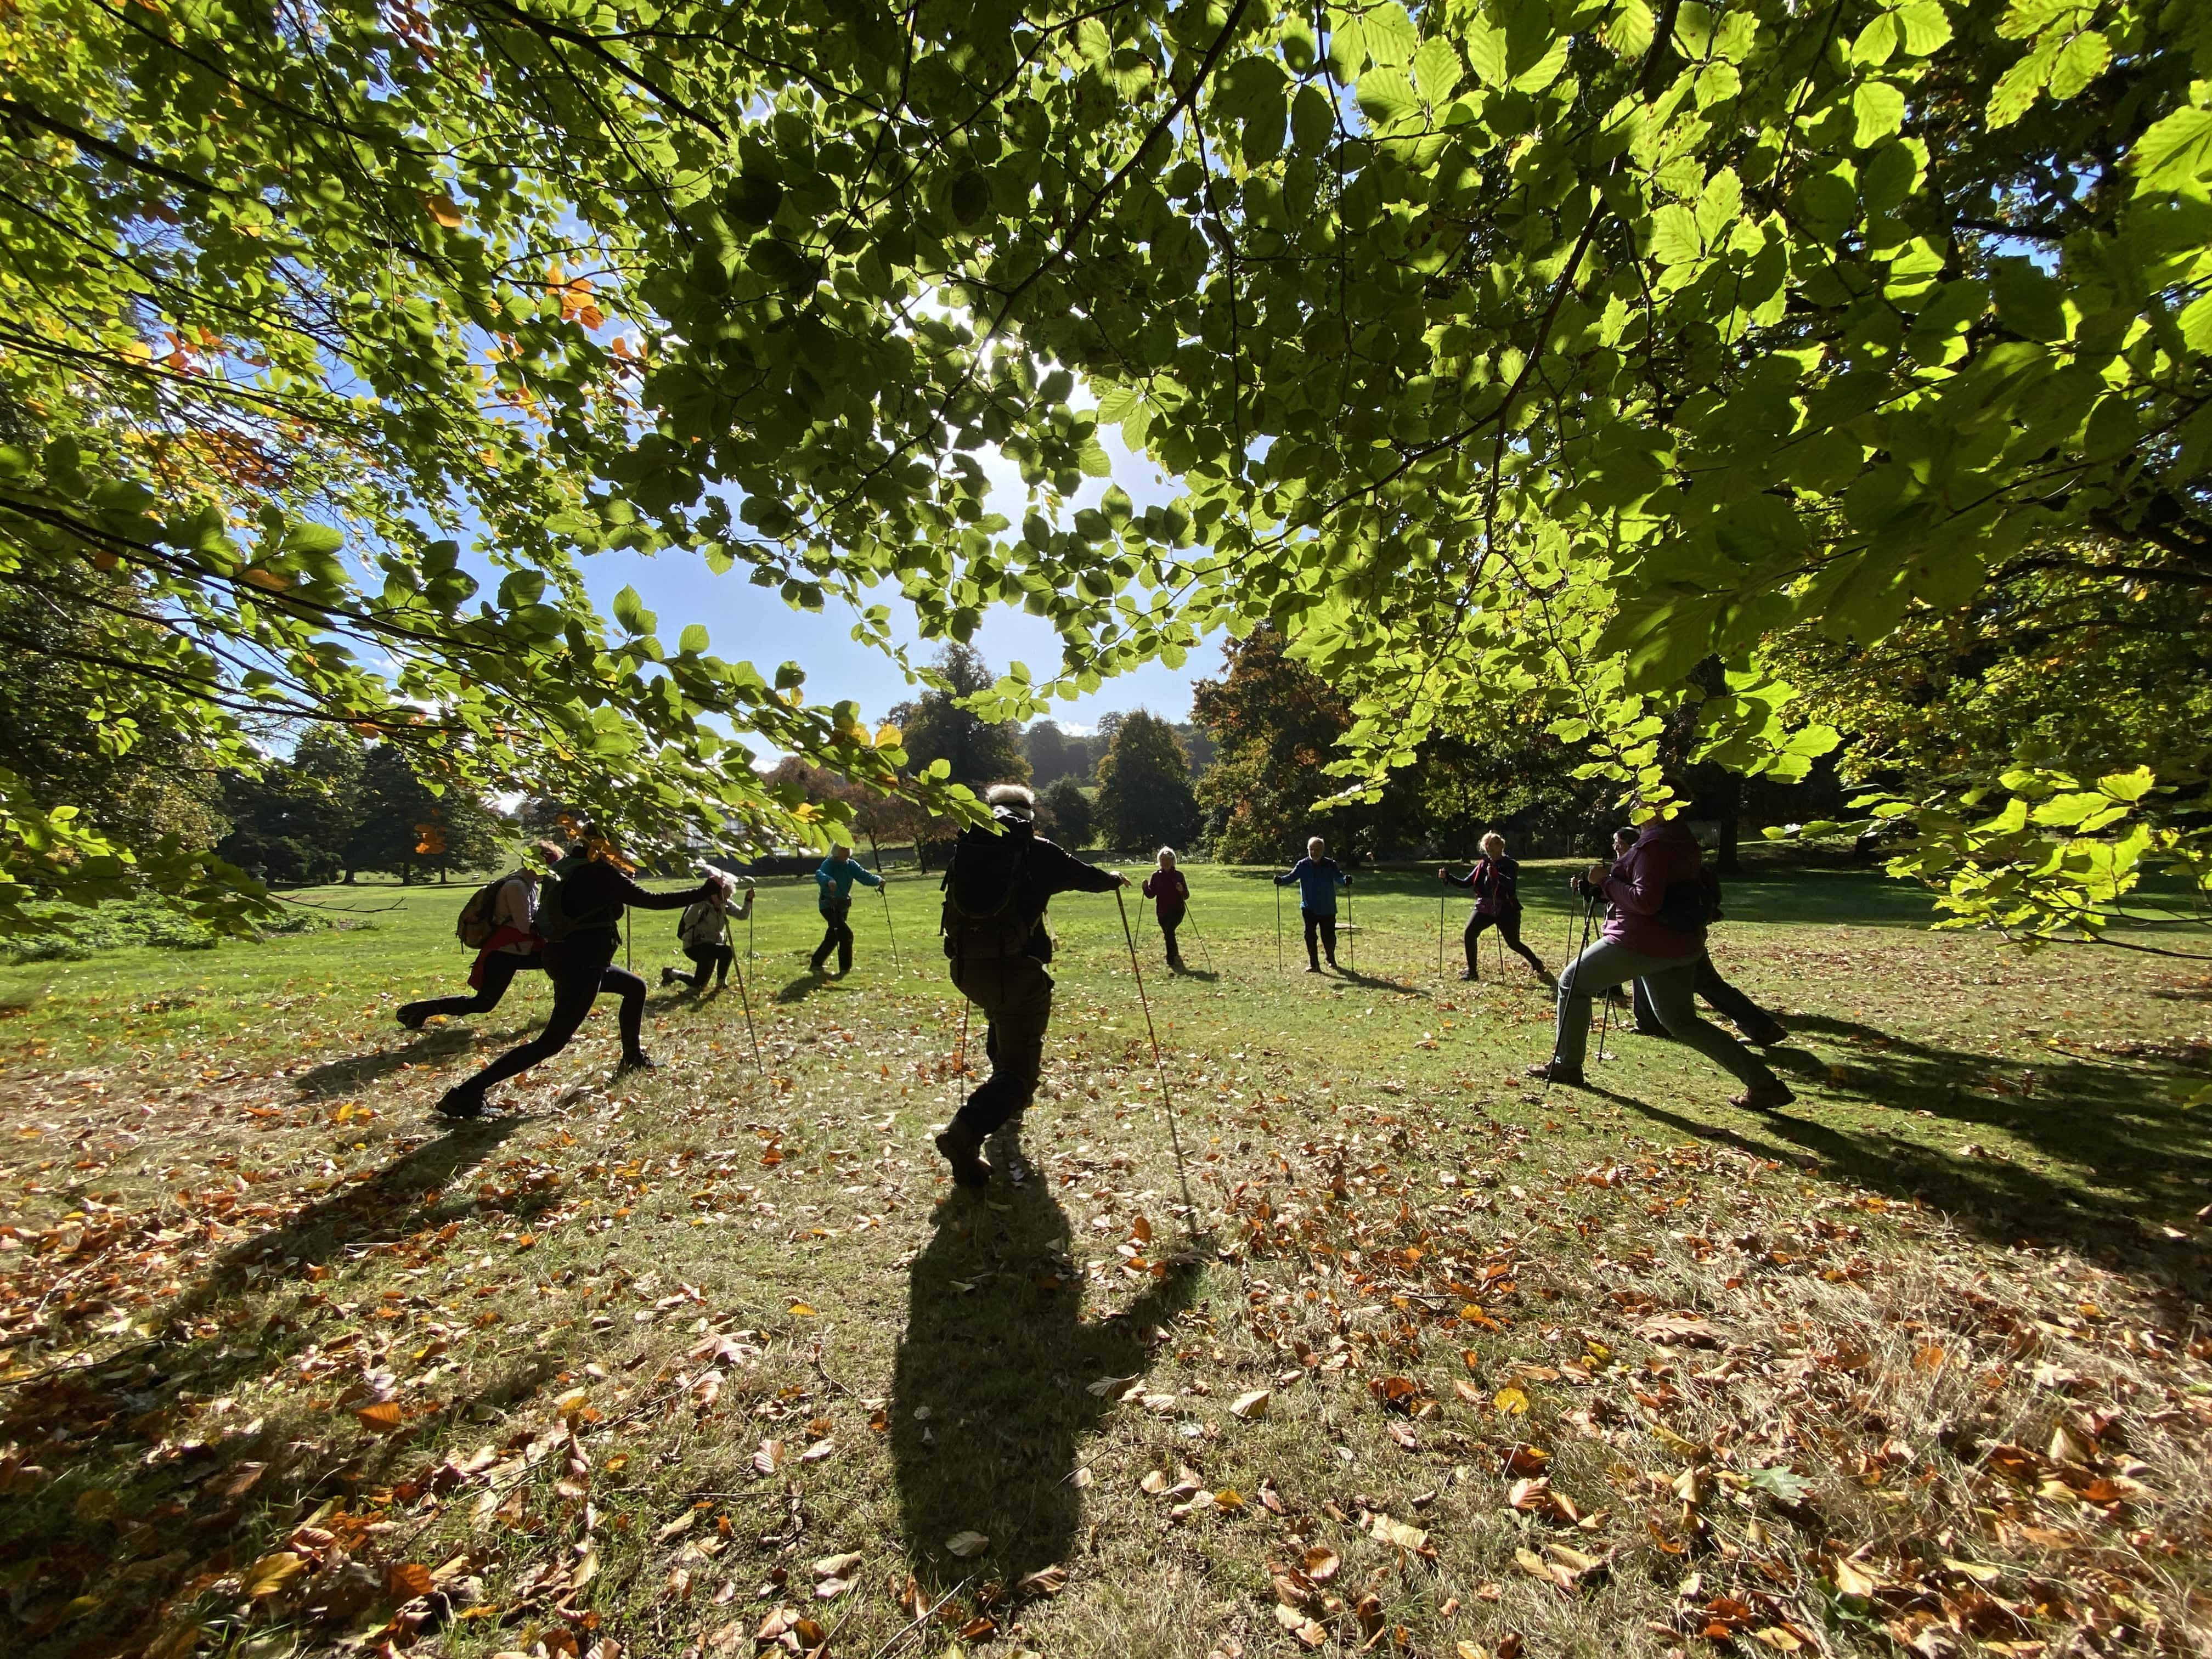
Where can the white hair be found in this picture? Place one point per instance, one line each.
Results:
(1015, 800)
(1165, 855)
(1493, 839)
(1313, 841)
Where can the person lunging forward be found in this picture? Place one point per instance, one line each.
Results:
(579, 912)
(835, 878)
(1655, 931)
(1496, 884)
(1318, 875)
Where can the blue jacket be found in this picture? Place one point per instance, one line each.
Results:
(835, 878)
(1317, 885)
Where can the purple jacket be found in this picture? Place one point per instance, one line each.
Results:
(1663, 855)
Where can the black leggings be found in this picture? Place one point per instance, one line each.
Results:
(713, 961)
(499, 969)
(578, 980)
(1170, 920)
(838, 936)
(1322, 928)
(1508, 929)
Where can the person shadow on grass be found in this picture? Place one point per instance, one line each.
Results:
(991, 1397)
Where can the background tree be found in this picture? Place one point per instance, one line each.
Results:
(293, 818)
(1277, 724)
(1046, 747)
(936, 726)
(1145, 797)
(1074, 820)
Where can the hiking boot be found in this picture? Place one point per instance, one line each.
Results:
(1470, 977)
(667, 977)
(1313, 969)
(1764, 1096)
(1552, 1072)
(960, 1144)
(639, 1061)
(461, 1102)
(1766, 1035)
(411, 1018)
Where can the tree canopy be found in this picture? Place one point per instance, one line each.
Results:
(1562, 353)
(1144, 796)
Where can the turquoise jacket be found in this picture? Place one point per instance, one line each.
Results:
(835, 878)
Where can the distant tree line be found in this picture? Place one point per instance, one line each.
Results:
(337, 807)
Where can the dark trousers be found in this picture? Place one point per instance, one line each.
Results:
(499, 969)
(1170, 920)
(1723, 998)
(1322, 928)
(1508, 924)
(839, 937)
(715, 960)
(579, 977)
(1015, 996)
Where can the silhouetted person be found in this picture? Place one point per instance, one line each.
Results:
(510, 946)
(1754, 1022)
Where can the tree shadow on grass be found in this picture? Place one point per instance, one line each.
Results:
(141, 1501)
(2128, 1159)
(991, 1399)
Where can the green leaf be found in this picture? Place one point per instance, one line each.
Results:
(2175, 153)
(1391, 36)
(1386, 96)
(693, 641)
(1485, 50)
(2081, 61)
(1674, 238)
(1779, 1480)
(1628, 31)
(631, 612)
(1878, 107)
(1438, 71)
(1927, 27)
(1877, 40)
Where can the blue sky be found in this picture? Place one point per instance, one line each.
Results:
(752, 624)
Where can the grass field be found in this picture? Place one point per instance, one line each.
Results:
(1430, 1362)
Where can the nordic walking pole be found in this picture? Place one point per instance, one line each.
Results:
(1589, 912)
(1278, 928)
(745, 997)
(1159, 1067)
(1351, 931)
(1440, 935)
(897, 967)
(1197, 933)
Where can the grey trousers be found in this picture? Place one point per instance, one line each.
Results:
(1671, 983)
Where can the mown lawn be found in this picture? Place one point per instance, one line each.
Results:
(1432, 1363)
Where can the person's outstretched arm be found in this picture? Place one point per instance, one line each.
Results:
(1290, 874)
(641, 898)
(864, 875)
(1064, 872)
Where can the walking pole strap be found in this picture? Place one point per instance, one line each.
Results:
(1159, 1067)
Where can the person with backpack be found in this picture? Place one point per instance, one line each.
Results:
(1655, 931)
(1170, 896)
(1002, 878)
(580, 914)
(496, 923)
(1496, 884)
(1759, 1027)
(703, 931)
(1318, 877)
(835, 878)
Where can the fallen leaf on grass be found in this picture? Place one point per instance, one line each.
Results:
(1249, 1406)
(1382, 1527)
(1106, 1385)
(1782, 1482)
(836, 1566)
(1310, 1634)
(967, 1545)
(818, 1451)
(407, 1579)
(676, 1528)
(768, 1458)
(1321, 1564)
(270, 1574)
(383, 1417)
(1045, 1581)
(1511, 1400)
(1680, 1327)
(1473, 1395)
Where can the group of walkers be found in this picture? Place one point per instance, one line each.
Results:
(1657, 901)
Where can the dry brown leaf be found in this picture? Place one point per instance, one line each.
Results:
(1045, 1581)
(818, 1451)
(967, 1545)
(1512, 1401)
(1110, 1385)
(768, 1458)
(1321, 1564)
(676, 1529)
(407, 1579)
(836, 1566)
(270, 1574)
(383, 1417)
(1308, 1634)
(1248, 1406)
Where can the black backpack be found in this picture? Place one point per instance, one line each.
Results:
(553, 922)
(982, 887)
(1692, 905)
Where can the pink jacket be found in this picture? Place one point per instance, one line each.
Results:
(1664, 854)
